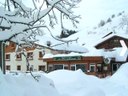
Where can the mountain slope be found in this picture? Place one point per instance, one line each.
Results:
(91, 36)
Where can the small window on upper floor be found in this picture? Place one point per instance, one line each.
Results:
(19, 56)
(116, 40)
(116, 43)
(7, 57)
(41, 55)
(30, 55)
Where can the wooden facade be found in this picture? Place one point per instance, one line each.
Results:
(111, 43)
(88, 64)
(108, 45)
(12, 46)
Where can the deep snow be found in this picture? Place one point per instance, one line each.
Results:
(64, 83)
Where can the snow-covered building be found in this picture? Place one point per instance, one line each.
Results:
(112, 48)
(103, 57)
(14, 61)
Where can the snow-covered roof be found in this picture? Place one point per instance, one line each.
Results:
(123, 35)
(59, 45)
(89, 37)
(70, 47)
(88, 54)
(116, 53)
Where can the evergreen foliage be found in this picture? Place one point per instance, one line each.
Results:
(102, 23)
(66, 33)
(113, 15)
(109, 20)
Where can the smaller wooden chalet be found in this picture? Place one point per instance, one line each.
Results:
(112, 49)
(112, 41)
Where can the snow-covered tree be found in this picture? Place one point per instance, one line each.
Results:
(109, 20)
(23, 23)
(22, 20)
(124, 23)
(66, 33)
(102, 23)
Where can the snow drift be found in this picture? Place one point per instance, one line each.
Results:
(64, 83)
(121, 76)
(26, 85)
(77, 83)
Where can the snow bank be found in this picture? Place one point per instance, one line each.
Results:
(121, 76)
(77, 83)
(25, 85)
(66, 83)
(74, 83)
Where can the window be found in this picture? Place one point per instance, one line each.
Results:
(18, 56)
(99, 68)
(19, 67)
(58, 66)
(40, 55)
(116, 43)
(65, 66)
(78, 66)
(7, 56)
(73, 67)
(7, 67)
(115, 66)
(81, 66)
(92, 68)
(30, 55)
(50, 67)
(41, 68)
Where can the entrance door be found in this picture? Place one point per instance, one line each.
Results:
(115, 67)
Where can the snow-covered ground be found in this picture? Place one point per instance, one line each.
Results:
(64, 83)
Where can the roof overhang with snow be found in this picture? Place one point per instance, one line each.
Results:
(109, 37)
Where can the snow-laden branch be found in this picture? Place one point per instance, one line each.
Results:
(25, 22)
(22, 23)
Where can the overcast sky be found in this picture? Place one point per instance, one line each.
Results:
(92, 11)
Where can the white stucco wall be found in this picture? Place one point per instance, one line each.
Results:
(35, 62)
